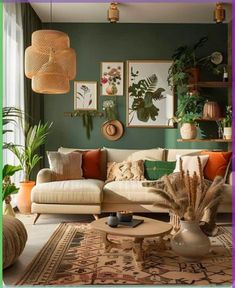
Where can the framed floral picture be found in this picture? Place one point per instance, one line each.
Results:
(150, 100)
(111, 80)
(85, 95)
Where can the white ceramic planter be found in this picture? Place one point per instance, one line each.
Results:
(227, 133)
(188, 131)
(190, 242)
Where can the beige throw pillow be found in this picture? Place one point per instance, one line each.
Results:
(125, 170)
(190, 163)
(150, 154)
(66, 166)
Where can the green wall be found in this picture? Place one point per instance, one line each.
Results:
(95, 43)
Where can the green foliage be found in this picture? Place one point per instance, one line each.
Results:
(35, 136)
(227, 121)
(8, 187)
(185, 58)
(144, 93)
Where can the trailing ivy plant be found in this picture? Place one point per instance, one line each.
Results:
(145, 93)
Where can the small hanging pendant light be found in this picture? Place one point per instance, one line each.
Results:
(113, 13)
(50, 62)
(219, 13)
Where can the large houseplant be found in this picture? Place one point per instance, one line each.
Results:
(186, 64)
(28, 157)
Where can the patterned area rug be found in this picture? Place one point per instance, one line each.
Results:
(74, 255)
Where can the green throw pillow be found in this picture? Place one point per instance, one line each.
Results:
(154, 170)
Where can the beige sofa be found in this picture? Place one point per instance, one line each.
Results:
(90, 196)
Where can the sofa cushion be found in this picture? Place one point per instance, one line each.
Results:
(217, 164)
(122, 192)
(125, 170)
(103, 161)
(65, 166)
(86, 191)
(119, 155)
(171, 153)
(91, 160)
(154, 170)
(190, 163)
(150, 154)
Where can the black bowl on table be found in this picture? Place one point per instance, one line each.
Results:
(124, 216)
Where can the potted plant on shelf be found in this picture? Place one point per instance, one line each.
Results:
(28, 157)
(188, 111)
(185, 66)
(227, 123)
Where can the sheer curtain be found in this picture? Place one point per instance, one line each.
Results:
(13, 71)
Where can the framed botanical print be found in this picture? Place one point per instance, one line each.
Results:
(150, 100)
(85, 95)
(111, 80)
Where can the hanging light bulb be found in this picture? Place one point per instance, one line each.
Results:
(219, 13)
(113, 13)
(50, 62)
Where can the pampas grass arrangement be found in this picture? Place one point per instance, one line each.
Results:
(190, 197)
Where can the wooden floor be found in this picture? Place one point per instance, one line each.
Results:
(39, 234)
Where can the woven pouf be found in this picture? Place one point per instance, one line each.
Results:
(14, 239)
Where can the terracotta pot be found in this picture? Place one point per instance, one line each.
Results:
(24, 197)
(190, 242)
(194, 74)
(211, 109)
(228, 133)
(188, 131)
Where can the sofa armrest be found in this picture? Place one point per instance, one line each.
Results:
(45, 175)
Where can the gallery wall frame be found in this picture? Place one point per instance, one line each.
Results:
(85, 95)
(150, 101)
(112, 78)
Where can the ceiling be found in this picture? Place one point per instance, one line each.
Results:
(131, 12)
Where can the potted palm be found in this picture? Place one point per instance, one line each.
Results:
(227, 123)
(35, 136)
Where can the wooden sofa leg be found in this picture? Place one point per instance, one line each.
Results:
(36, 218)
(96, 216)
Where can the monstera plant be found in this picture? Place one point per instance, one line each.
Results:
(145, 93)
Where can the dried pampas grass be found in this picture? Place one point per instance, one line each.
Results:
(190, 197)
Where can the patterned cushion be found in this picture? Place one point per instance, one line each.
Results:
(154, 170)
(125, 170)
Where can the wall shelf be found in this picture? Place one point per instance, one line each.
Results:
(206, 140)
(208, 119)
(212, 84)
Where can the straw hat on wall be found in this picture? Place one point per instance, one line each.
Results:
(112, 130)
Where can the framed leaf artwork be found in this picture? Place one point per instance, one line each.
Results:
(85, 95)
(111, 80)
(150, 100)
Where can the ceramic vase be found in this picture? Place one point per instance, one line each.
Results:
(113, 220)
(190, 242)
(188, 131)
(228, 133)
(111, 89)
(24, 197)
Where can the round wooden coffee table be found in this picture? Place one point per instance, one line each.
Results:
(149, 228)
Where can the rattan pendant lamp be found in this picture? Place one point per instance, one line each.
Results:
(50, 62)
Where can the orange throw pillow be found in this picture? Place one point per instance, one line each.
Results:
(91, 166)
(216, 164)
